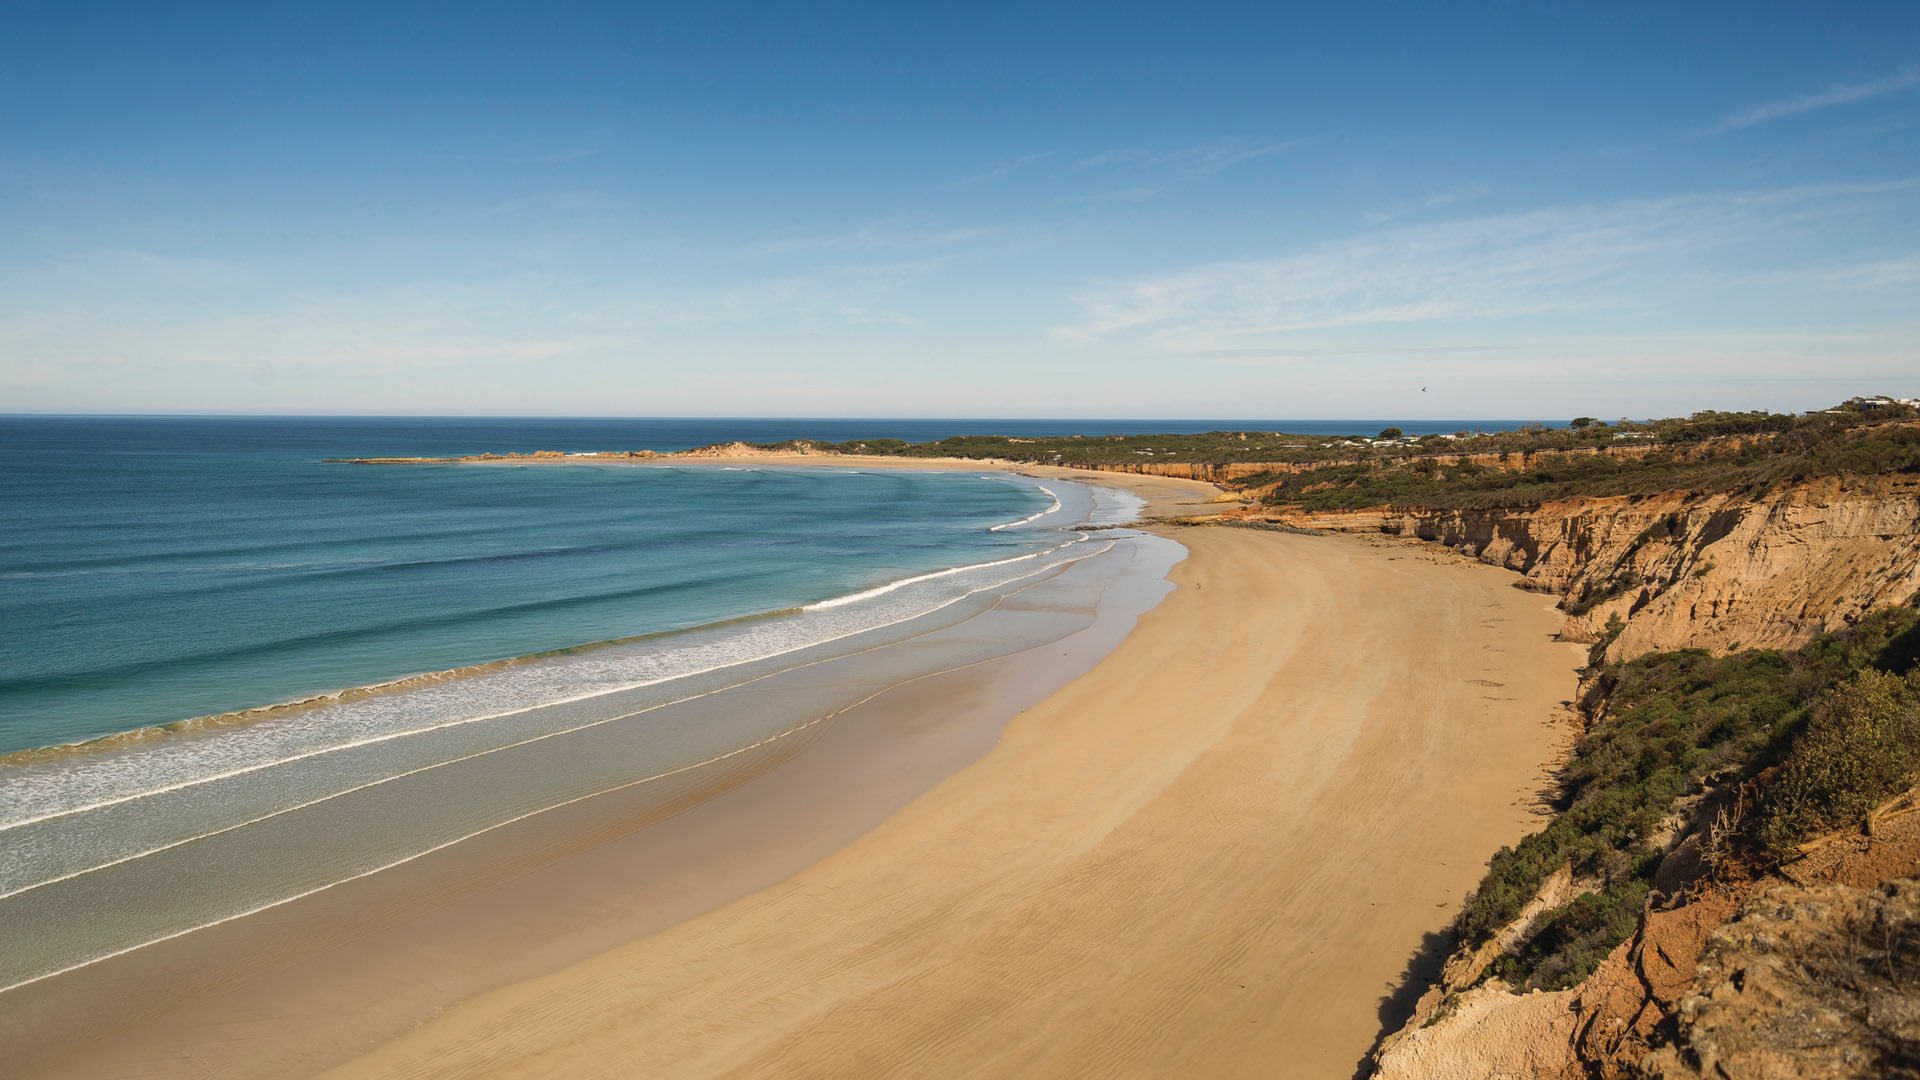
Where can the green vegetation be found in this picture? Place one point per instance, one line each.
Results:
(1815, 736)
(1596, 594)
(1708, 451)
(1676, 722)
(1206, 448)
(1736, 465)
(1861, 745)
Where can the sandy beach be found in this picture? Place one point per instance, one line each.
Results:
(1214, 855)
(1206, 843)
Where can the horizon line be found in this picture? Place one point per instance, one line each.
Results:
(741, 416)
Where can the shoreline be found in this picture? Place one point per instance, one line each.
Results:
(1179, 496)
(875, 876)
(113, 741)
(1214, 853)
(127, 1033)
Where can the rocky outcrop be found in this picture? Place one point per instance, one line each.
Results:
(1619, 1010)
(1486, 1032)
(1819, 980)
(1673, 1000)
(1776, 979)
(1720, 571)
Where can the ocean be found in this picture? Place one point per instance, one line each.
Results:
(238, 676)
(154, 570)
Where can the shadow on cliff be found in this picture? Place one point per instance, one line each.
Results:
(1421, 972)
(1901, 654)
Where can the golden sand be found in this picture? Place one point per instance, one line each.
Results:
(1213, 855)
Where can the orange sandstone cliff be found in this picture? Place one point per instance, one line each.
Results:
(1763, 978)
(1719, 571)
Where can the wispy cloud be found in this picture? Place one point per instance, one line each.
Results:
(1122, 195)
(1000, 170)
(1632, 254)
(1842, 94)
(1201, 159)
(1870, 275)
(1126, 155)
(855, 293)
(130, 321)
(1208, 159)
(880, 238)
(1263, 356)
(578, 201)
(142, 271)
(1453, 196)
(1459, 194)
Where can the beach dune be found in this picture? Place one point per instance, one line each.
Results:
(1215, 855)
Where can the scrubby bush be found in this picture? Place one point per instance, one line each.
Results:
(1571, 941)
(1672, 721)
(1861, 745)
(1805, 449)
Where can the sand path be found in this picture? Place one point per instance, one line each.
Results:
(1212, 856)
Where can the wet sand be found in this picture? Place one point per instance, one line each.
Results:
(298, 987)
(1213, 855)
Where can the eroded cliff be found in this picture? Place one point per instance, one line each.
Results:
(1719, 571)
(1713, 980)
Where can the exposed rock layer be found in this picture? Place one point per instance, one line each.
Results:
(1714, 982)
(1817, 980)
(1719, 571)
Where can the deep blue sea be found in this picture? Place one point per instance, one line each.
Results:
(157, 569)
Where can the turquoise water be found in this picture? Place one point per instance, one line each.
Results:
(152, 571)
(158, 570)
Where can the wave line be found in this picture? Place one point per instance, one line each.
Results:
(502, 824)
(1031, 517)
(373, 740)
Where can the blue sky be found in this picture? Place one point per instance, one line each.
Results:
(1170, 210)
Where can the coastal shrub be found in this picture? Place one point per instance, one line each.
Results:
(1571, 941)
(1860, 746)
(1597, 652)
(1592, 596)
(1667, 724)
(1754, 450)
(1799, 453)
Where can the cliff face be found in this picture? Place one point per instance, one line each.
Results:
(1707, 983)
(1716, 571)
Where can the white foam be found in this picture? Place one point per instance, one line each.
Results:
(1033, 516)
(90, 961)
(267, 904)
(41, 791)
(81, 784)
(893, 586)
(143, 853)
